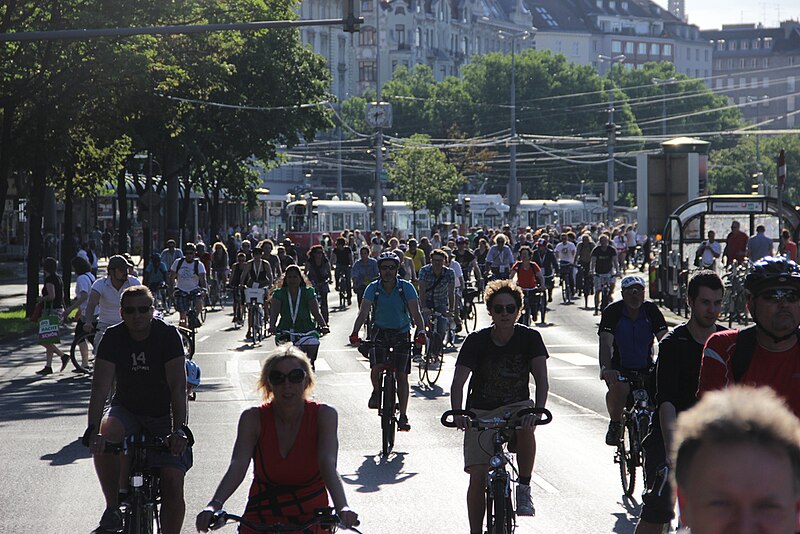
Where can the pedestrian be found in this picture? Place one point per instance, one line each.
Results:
(52, 300)
(708, 252)
(788, 247)
(759, 246)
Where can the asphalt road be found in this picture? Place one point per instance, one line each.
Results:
(49, 483)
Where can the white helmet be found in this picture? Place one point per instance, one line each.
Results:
(388, 255)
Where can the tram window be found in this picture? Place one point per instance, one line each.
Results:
(337, 221)
(358, 220)
(719, 224)
(298, 224)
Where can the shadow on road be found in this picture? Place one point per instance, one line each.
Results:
(376, 471)
(626, 521)
(428, 392)
(68, 454)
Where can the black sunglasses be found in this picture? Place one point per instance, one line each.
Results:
(129, 310)
(789, 295)
(295, 376)
(508, 308)
(388, 267)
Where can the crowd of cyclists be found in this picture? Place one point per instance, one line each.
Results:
(407, 290)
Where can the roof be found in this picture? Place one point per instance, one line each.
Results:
(581, 15)
(555, 15)
(785, 39)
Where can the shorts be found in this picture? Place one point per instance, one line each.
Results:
(479, 444)
(598, 281)
(658, 509)
(381, 356)
(183, 300)
(157, 426)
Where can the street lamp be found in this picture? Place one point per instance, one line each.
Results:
(664, 83)
(611, 127)
(513, 197)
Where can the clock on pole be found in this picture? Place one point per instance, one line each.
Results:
(379, 114)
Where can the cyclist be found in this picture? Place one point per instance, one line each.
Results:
(143, 359)
(767, 354)
(235, 284)
(168, 256)
(204, 256)
(627, 329)
(188, 274)
(604, 265)
(468, 261)
(437, 293)
(155, 274)
(621, 247)
(295, 302)
(735, 244)
(500, 258)
(528, 275)
(318, 271)
(274, 262)
(544, 257)
(292, 478)
(416, 255)
(343, 264)
(677, 371)
(565, 253)
(497, 361)
(365, 270)
(104, 297)
(219, 264)
(257, 274)
(396, 306)
(583, 259)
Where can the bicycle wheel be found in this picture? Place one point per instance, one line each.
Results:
(188, 342)
(564, 291)
(625, 455)
(498, 512)
(388, 421)
(139, 516)
(471, 317)
(258, 325)
(543, 306)
(213, 294)
(203, 314)
(75, 351)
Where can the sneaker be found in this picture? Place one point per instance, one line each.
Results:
(402, 424)
(374, 400)
(110, 522)
(45, 371)
(612, 436)
(524, 502)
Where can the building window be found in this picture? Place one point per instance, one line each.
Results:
(366, 5)
(765, 82)
(688, 53)
(400, 34)
(668, 50)
(599, 4)
(767, 42)
(730, 83)
(624, 5)
(696, 73)
(418, 38)
(616, 47)
(732, 45)
(697, 54)
(366, 71)
(718, 83)
(705, 55)
(366, 37)
(742, 83)
(576, 49)
(790, 84)
(628, 47)
(745, 44)
(756, 44)
(655, 49)
(766, 62)
(720, 44)
(642, 49)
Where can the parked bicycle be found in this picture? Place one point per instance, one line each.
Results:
(324, 518)
(499, 509)
(636, 419)
(734, 300)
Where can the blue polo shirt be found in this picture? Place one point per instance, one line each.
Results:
(392, 309)
(633, 337)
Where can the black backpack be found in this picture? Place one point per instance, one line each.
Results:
(196, 266)
(743, 353)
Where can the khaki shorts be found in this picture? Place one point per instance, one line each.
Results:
(479, 444)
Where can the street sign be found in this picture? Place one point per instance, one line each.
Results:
(749, 206)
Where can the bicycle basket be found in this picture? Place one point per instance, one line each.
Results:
(256, 293)
(192, 373)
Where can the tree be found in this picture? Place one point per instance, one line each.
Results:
(422, 176)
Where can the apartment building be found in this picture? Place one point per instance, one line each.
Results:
(758, 69)
(639, 29)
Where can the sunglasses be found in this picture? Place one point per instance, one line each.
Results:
(295, 376)
(388, 267)
(508, 308)
(130, 310)
(789, 295)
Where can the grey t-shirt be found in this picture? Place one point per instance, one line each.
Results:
(759, 246)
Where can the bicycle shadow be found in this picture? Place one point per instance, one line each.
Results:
(376, 471)
(626, 521)
(69, 454)
(428, 392)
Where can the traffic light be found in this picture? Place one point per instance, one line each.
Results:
(466, 205)
(755, 185)
(613, 130)
(350, 16)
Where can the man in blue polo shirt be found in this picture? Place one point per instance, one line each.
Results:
(396, 304)
(627, 330)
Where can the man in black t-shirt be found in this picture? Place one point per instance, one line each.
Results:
(604, 268)
(145, 357)
(343, 264)
(677, 375)
(497, 361)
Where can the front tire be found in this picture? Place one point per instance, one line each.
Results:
(626, 452)
(388, 420)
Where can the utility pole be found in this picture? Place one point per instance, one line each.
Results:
(378, 224)
(664, 83)
(612, 134)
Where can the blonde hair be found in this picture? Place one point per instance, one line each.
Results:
(283, 352)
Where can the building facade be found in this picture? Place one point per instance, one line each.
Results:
(758, 69)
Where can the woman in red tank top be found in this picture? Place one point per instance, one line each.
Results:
(293, 444)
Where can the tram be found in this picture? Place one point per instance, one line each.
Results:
(538, 213)
(399, 220)
(306, 224)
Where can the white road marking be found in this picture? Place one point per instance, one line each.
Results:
(572, 377)
(236, 367)
(321, 365)
(549, 346)
(575, 358)
(203, 339)
(542, 483)
(575, 405)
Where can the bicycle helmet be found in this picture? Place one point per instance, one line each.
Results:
(771, 271)
(388, 255)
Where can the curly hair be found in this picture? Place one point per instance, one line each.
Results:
(499, 287)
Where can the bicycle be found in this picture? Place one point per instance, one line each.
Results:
(585, 283)
(325, 518)
(499, 510)
(216, 297)
(193, 319)
(565, 281)
(343, 283)
(636, 419)
(431, 359)
(533, 303)
(75, 348)
(605, 291)
(255, 297)
(469, 313)
(389, 408)
(238, 306)
(161, 299)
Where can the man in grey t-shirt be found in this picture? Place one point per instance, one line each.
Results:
(759, 245)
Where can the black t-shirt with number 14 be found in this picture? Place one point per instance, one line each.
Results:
(142, 385)
(500, 374)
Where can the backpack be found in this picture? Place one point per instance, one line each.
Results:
(743, 353)
(402, 297)
(196, 266)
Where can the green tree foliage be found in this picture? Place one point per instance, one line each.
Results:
(422, 176)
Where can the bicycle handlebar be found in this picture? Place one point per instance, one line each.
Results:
(501, 423)
(324, 517)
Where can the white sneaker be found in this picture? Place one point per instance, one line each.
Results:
(524, 502)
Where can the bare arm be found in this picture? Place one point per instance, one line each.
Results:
(175, 370)
(363, 311)
(101, 385)
(313, 307)
(274, 311)
(416, 314)
(539, 372)
(91, 307)
(606, 352)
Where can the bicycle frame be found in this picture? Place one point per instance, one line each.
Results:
(636, 419)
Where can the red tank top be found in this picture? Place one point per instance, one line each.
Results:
(286, 490)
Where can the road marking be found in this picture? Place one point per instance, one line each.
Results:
(572, 377)
(203, 339)
(549, 346)
(542, 483)
(321, 365)
(236, 367)
(575, 358)
(338, 350)
(575, 404)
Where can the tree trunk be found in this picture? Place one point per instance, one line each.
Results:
(122, 205)
(213, 206)
(35, 209)
(5, 153)
(66, 244)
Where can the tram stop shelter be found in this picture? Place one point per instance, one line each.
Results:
(688, 226)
